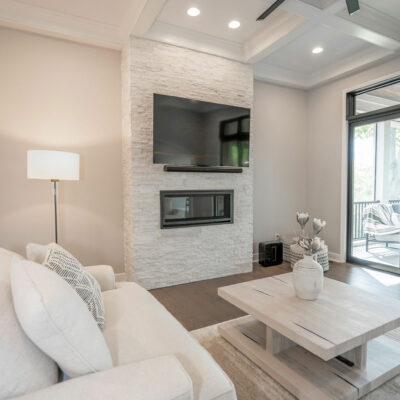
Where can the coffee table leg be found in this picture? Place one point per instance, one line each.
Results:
(275, 342)
(358, 356)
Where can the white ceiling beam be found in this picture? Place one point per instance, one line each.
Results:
(131, 17)
(335, 17)
(369, 25)
(303, 9)
(360, 32)
(282, 28)
(371, 18)
(147, 17)
(280, 32)
(292, 19)
(310, 12)
(329, 17)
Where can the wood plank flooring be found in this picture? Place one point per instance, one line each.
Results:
(197, 304)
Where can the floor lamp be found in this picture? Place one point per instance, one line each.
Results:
(54, 166)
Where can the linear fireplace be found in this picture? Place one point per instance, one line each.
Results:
(181, 208)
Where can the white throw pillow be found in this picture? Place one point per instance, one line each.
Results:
(71, 270)
(57, 320)
(37, 252)
(24, 367)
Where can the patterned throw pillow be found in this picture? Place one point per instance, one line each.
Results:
(70, 269)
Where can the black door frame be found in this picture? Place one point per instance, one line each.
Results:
(355, 120)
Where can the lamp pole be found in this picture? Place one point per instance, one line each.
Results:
(55, 166)
(55, 208)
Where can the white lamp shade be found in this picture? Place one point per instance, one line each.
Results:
(53, 165)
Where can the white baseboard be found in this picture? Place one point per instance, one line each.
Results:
(336, 257)
(121, 277)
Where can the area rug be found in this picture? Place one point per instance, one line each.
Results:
(252, 383)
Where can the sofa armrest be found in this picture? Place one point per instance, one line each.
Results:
(104, 275)
(161, 378)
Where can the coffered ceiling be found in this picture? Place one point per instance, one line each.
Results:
(279, 47)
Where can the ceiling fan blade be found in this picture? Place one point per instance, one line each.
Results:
(271, 8)
(352, 6)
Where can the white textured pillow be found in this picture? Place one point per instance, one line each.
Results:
(57, 320)
(70, 269)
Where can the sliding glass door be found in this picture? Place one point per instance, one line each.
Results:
(374, 178)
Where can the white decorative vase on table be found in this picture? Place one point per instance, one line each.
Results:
(308, 278)
(308, 274)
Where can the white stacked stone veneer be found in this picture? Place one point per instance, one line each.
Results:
(157, 257)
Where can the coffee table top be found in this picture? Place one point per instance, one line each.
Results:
(342, 318)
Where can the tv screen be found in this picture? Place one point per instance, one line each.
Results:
(192, 132)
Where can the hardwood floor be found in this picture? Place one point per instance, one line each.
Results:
(197, 304)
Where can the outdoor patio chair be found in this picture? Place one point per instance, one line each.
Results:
(381, 224)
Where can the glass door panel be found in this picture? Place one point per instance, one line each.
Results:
(374, 198)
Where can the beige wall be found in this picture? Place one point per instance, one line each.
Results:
(327, 146)
(280, 153)
(300, 155)
(61, 95)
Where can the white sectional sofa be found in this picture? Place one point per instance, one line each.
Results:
(154, 357)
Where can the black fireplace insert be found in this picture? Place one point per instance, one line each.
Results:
(182, 208)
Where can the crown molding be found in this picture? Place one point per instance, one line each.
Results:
(88, 40)
(280, 76)
(39, 20)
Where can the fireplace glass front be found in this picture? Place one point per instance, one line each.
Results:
(197, 207)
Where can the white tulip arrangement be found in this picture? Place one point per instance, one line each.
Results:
(311, 244)
(302, 219)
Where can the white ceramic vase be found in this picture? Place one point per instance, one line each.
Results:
(308, 278)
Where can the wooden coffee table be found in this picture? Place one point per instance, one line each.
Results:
(330, 348)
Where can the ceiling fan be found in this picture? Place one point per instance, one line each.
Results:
(352, 7)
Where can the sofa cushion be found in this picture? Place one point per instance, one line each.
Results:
(57, 320)
(139, 327)
(161, 378)
(23, 366)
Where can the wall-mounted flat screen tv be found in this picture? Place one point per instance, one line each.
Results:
(192, 132)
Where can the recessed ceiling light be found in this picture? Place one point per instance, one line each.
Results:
(234, 24)
(193, 12)
(317, 50)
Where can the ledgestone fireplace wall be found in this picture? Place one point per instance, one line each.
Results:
(157, 257)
